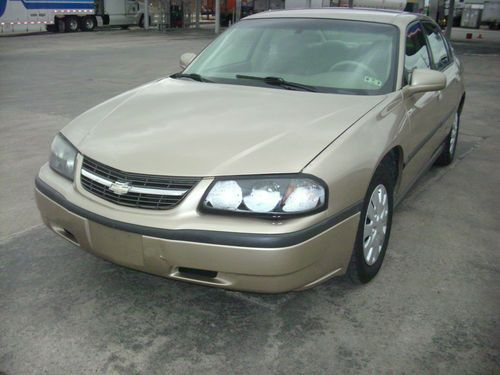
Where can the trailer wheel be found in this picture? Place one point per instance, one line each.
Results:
(51, 28)
(61, 25)
(71, 24)
(88, 23)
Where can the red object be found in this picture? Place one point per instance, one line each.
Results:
(468, 36)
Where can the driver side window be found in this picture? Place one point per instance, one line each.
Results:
(416, 51)
(438, 46)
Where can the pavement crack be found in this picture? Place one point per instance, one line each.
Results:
(16, 234)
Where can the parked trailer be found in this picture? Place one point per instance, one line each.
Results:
(491, 14)
(67, 15)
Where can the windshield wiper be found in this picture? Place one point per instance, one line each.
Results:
(278, 81)
(193, 76)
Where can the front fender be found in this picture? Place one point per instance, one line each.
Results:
(349, 162)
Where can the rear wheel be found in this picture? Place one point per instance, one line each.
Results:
(88, 23)
(375, 225)
(71, 24)
(450, 144)
(61, 25)
(51, 28)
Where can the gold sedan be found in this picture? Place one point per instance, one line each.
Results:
(272, 162)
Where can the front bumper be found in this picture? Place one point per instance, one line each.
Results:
(268, 263)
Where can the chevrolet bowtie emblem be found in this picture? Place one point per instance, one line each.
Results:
(120, 188)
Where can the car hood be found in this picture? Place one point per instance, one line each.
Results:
(187, 128)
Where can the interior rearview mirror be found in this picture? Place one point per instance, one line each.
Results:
(186, 59)
(423, 80)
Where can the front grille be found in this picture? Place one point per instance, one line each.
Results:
(145, 191)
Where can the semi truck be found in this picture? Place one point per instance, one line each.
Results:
(68, 15)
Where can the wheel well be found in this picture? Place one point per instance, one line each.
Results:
(461, 105)
(395, 158)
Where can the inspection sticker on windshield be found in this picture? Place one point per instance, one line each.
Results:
(373, 81)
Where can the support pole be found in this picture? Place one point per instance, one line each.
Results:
(197, 15)
(449, 20)
(433, 9)
(238, 10)
(217, 16)
(146, 14)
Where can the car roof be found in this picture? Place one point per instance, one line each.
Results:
(398, 18)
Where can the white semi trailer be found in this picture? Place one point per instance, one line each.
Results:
(491, 14)
(67, 15)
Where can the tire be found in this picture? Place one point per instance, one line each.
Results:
(365, 264)
(124, 27)
(51, 28)
(71, 24)
(88, 23)
(61, 25)
(450, 144)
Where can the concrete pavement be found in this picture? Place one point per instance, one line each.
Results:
(434, 308)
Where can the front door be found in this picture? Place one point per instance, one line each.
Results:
(423, 109)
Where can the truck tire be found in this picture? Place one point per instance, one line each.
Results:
(51, 28)
(88, 23)
(71, 24)
(60, 25)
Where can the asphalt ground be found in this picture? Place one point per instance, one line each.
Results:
(433, 309)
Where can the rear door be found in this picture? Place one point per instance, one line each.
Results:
(444, 61)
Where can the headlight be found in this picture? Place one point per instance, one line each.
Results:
(62, 157)
(265, 196)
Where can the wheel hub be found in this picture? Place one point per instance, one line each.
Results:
(375, 227)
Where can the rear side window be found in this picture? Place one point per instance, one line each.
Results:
(437, 43)
(416, 52)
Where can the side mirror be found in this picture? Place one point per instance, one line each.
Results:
(186, 59)
(424, 80)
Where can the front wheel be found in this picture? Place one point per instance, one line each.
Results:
(450, 144)
(374, 226)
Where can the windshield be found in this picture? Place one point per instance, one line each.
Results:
(338, 56)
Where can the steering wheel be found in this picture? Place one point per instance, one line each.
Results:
(357, 66)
